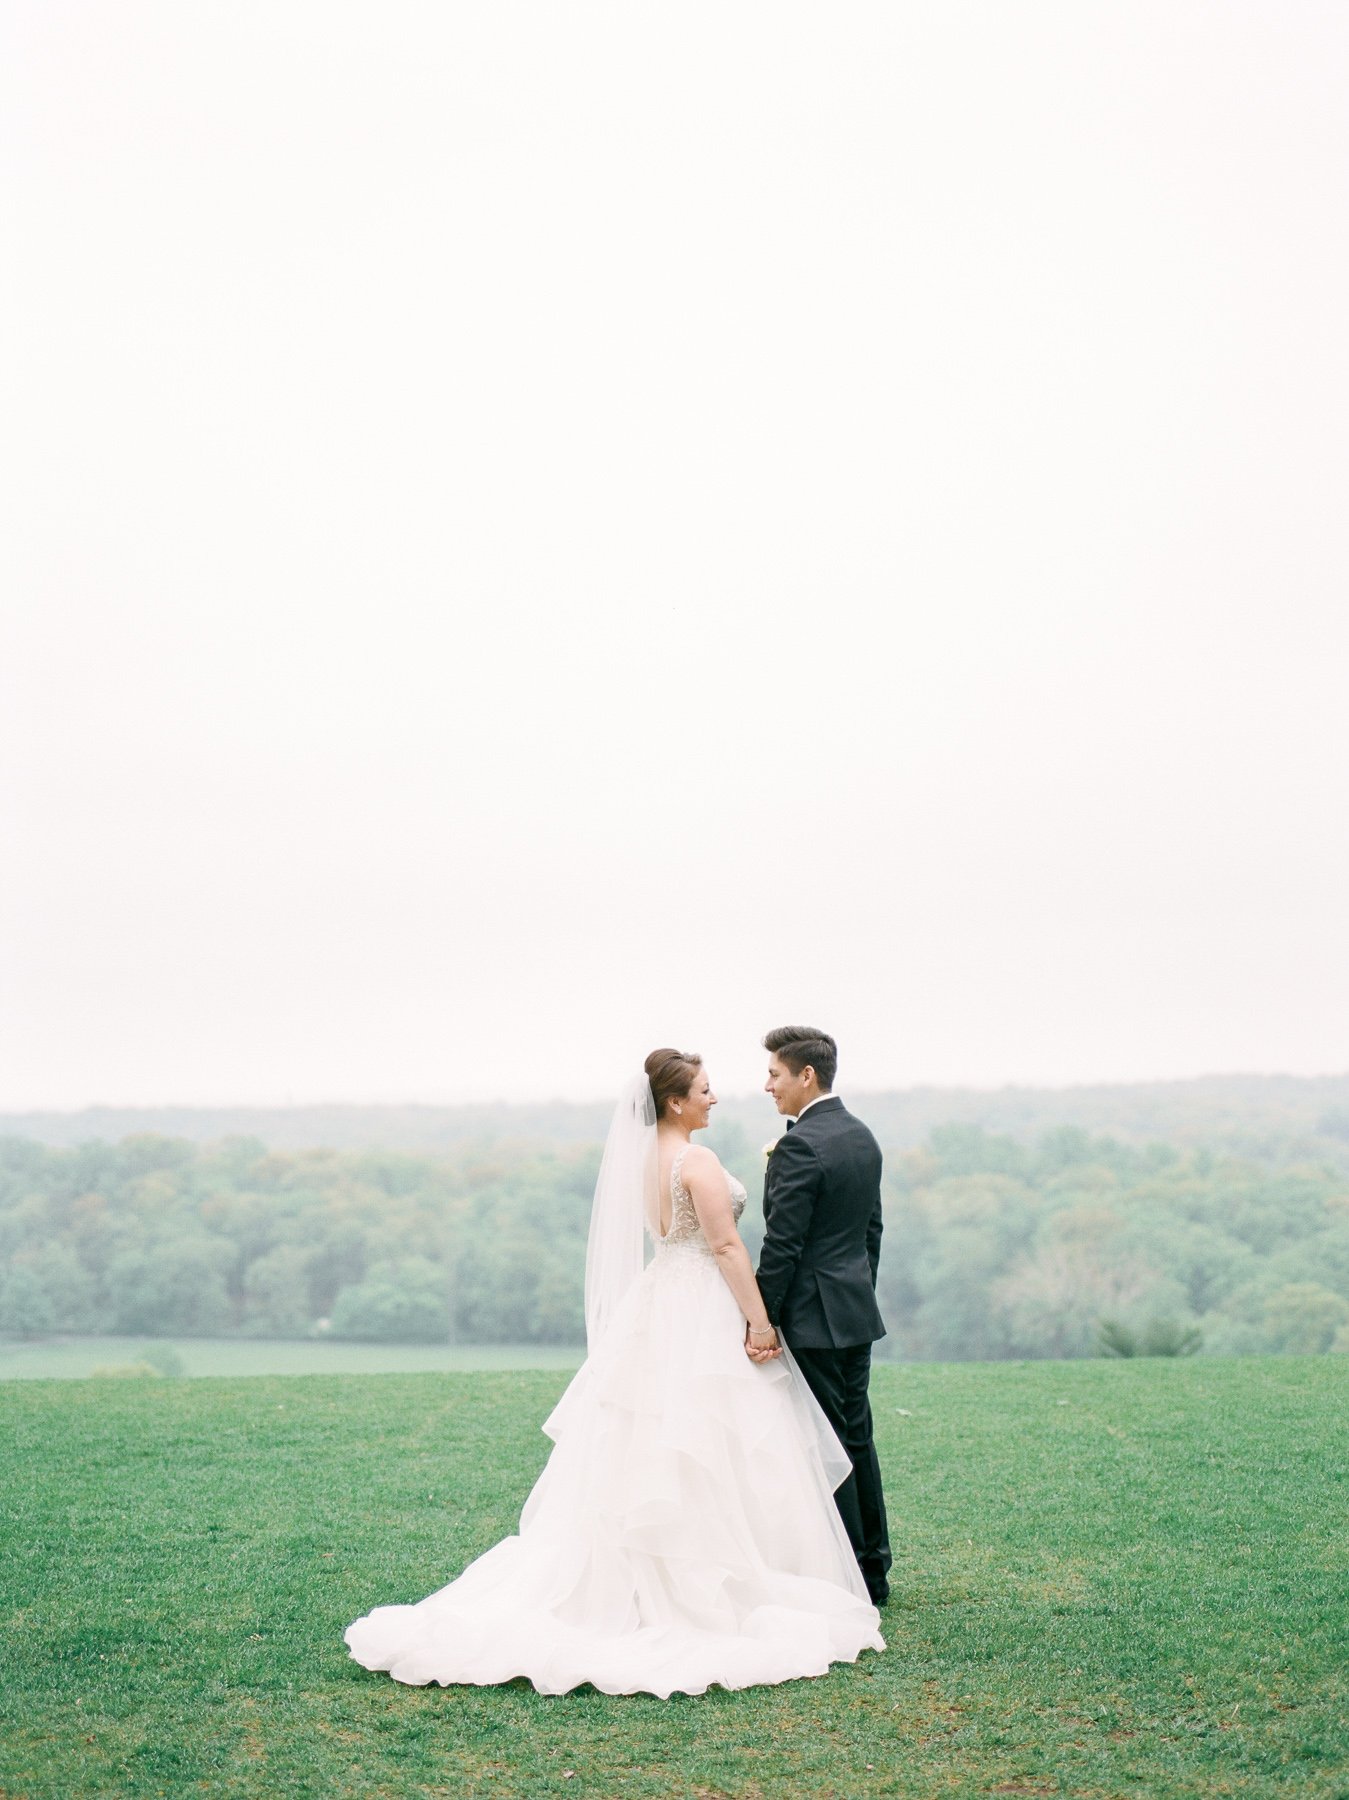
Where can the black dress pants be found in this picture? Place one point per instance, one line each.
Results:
(838, 1379)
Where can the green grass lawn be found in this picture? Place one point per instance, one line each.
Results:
(1111, 1579)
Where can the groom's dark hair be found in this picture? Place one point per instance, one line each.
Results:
(801, 1046)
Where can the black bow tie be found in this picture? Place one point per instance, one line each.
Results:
(791, 1124)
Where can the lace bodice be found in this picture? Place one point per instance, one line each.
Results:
(684, 1227)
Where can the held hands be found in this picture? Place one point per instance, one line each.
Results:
(761, 1346)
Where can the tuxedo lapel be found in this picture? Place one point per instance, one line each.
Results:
(768, 1176)
(768, 1170)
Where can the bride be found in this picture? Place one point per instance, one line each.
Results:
(683, 1531)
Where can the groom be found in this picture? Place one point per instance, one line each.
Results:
(817, 1269)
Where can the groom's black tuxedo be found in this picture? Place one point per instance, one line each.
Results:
(817, 1275)
(822, 1243)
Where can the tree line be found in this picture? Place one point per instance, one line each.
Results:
(1063, 1243)
(1231, 1112)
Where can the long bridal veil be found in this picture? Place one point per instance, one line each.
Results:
(626, 1196)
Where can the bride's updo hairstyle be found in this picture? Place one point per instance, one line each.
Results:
(671, 1074)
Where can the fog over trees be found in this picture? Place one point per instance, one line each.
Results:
(1159, 1218)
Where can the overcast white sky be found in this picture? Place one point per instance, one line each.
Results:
(533, 531)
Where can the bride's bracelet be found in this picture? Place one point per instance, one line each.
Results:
(763, 1331)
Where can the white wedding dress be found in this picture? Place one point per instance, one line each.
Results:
(683, 1531)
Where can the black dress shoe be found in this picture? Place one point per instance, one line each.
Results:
(879, 1595)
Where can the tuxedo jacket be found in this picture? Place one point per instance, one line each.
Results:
(822, 1236)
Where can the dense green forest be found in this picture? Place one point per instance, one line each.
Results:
(1177, 1216)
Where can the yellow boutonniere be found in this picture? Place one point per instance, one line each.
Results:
(768, 1149)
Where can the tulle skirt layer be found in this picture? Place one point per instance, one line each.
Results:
(683, 1532)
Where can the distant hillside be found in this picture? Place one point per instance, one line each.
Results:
(1238, 1111)
(421, 1130)
(1241, 1111)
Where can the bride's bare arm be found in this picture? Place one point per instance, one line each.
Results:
(706, 1181)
